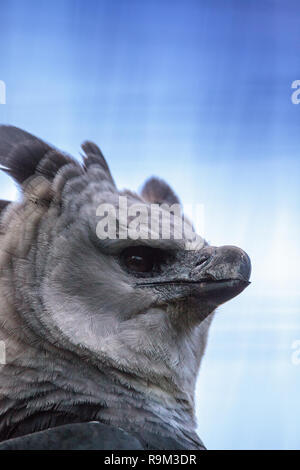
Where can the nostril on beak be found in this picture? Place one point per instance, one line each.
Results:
(205, 255)
(202, 259)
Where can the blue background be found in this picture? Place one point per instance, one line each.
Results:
(199, 93)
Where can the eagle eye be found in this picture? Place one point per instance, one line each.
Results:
(142, 259)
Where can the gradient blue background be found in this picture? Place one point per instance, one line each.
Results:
(198, 92)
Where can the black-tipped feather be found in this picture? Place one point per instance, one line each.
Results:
(24, 159)
(157, 191)
(94, 156)
(23, 155)
(20, 152)
(11, 136)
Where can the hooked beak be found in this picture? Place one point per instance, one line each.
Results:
(221, 273)
(217, 274)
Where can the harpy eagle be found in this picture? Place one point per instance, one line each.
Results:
(103, 337)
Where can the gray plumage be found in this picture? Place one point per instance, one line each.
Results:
(87, 338)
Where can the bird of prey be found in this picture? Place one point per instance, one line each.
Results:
(103, 336)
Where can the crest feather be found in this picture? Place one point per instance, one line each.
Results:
(157, 191)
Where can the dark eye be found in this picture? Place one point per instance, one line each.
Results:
(142, 259)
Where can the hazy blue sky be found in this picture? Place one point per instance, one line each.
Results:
(198, 92)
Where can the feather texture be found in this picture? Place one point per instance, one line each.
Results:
(86, 336)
